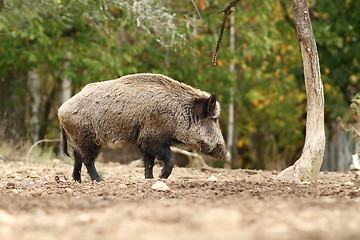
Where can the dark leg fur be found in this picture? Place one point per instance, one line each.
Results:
(90, 166)
(164, 154)
(77, 166)
(90, 152)
(148, 164)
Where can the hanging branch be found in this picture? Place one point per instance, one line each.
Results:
(26, 159)
(227, 11)
(283, 5)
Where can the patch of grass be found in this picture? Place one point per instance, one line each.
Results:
(67, 160)
(21, 149)
(12, 151)
(24, 151)
(40, 155)
(219, 163)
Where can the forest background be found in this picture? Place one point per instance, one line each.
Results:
(50, 49)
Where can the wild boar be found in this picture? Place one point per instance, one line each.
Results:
(151, 110)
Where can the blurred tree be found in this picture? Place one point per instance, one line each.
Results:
(307, 167)
(55, 41)
(266, 86)
(36, 39)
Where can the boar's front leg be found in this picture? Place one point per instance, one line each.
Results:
(164, 154)
(149, 164)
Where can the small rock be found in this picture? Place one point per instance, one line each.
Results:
(33, 176)
(10, 185)
(56, 162)
(69, 190)
(122, 186)
(83, 218)
(212, 178)
(14, 191)
(57, 179)
(36, 194)
(160, 186)
(349, 183)
(137, 163)
(251, 171)
(6, 218)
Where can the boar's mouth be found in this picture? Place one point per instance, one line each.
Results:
(218, 152)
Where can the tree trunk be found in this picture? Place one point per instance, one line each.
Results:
(47, 110)
(307, 167)
(13, 106)
(34, 86)
(65, 90)
(65, 82)
(231, 122)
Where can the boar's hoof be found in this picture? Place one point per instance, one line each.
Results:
(97, 179)
(165, 173)
(77, 180)
(149, 176)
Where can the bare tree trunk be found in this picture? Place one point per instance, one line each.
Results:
(65, 89)
(47, 109)
(231, 121)
(307, 167)
(66, 83)
(13, 106)
(34, 86)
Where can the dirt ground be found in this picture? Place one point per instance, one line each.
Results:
(42, 202)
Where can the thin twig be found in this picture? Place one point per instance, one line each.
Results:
(286, 14)
(186, 153)
(36, 143)
(197, 9)
(195, 159)
(350, 128)
(227, 11)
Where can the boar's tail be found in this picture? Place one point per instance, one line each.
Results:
(64, 142)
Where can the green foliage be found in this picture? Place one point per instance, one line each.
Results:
(337, 30)
(87, 41)
(52, 33)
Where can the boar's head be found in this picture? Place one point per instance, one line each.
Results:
(204, 133)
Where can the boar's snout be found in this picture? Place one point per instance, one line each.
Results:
(220, 152)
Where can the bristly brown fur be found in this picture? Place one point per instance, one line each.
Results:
(151, 110)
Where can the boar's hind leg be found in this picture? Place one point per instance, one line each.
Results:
(90, 151)
(164, 154)
(149, 164)
(77, 166)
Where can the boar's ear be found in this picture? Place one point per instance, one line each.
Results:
(199, 109)
(211, 103)
(204, 107)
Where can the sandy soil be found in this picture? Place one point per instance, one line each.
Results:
(42, 202)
